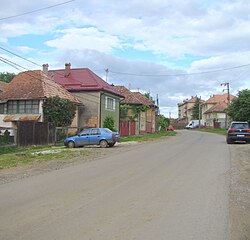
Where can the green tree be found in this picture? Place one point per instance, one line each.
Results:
(196, 109)
(147, 95)
(6, 77)
(239, 109)
(59, 111)
(109, 123)
(162, 122)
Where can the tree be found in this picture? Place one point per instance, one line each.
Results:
(239, 109)
(196, 109)
(162, 122)
(109, 123)
(59, 111)
(147, 95)
(6, 77)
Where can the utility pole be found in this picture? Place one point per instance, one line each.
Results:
(228, 99)
(107, 73)
(157, 104)
(200, 112)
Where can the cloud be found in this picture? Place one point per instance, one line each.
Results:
(192, 36)
(85, 38)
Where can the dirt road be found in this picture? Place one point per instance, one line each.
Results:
(176, 188)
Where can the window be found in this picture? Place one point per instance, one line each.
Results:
(84, 132)
(2, 108)
(110, 103)
(12, 107)
(95, 132)
(23, 106)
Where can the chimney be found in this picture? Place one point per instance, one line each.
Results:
(46, 68)
(67, 69)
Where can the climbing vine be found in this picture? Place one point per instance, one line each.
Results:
(136, 110)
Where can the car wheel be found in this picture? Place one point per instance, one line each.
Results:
(103, 143)
(71, 144)
(229, 141)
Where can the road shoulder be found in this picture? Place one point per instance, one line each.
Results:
(240, 191)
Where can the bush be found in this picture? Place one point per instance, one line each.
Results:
(109, 123)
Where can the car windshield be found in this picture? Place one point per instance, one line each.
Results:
(239, 126)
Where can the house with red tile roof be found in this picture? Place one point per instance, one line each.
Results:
(99, 99)
(185, 109)
(133, 122)
(214, 110)
(23, 98)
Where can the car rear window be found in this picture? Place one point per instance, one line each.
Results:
(107, 130)
(239, 126)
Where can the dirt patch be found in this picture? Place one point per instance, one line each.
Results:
(240, 191)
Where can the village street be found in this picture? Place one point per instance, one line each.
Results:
(175, 188)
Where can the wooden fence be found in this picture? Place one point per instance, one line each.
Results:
(34, 133)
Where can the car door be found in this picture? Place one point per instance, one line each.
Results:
(83, 138)
(95, 136)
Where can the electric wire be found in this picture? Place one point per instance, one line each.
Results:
(37, 10)
(180, 74)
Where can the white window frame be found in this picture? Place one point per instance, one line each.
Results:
(108, 105)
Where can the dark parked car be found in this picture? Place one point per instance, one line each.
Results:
(238, 131)
(93, 136)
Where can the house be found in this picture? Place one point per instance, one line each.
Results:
(99, 99)
(185, 109)
(214, 110)
(23, 98)
(138, 113)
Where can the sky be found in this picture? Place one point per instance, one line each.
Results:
(172, 49)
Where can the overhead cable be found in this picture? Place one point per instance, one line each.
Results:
(37, 10)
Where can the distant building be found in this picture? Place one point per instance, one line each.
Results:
(185, 109)
(214, 110)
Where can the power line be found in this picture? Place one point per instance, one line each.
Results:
(19, 56)
(37, 10)
(180, 74)
(19, 67)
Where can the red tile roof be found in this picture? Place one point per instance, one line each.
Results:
(34, 85)
(133, 97)
(219, 107)
(3, 85)
(81, 79)
(220, 98)
(129, 97)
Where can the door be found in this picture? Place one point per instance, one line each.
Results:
(83, 138)
(95, 136)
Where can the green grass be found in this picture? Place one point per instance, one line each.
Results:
(16, 157)
(213, 130)
(147, 137)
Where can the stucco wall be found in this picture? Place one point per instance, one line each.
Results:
(88, 115)
(112, 113)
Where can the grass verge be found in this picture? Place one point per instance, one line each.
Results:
(147, 137)
(16, 157)
(213, 130)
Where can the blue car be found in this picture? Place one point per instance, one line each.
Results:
(93, 136)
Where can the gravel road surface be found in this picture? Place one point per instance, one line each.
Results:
(173, 189)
